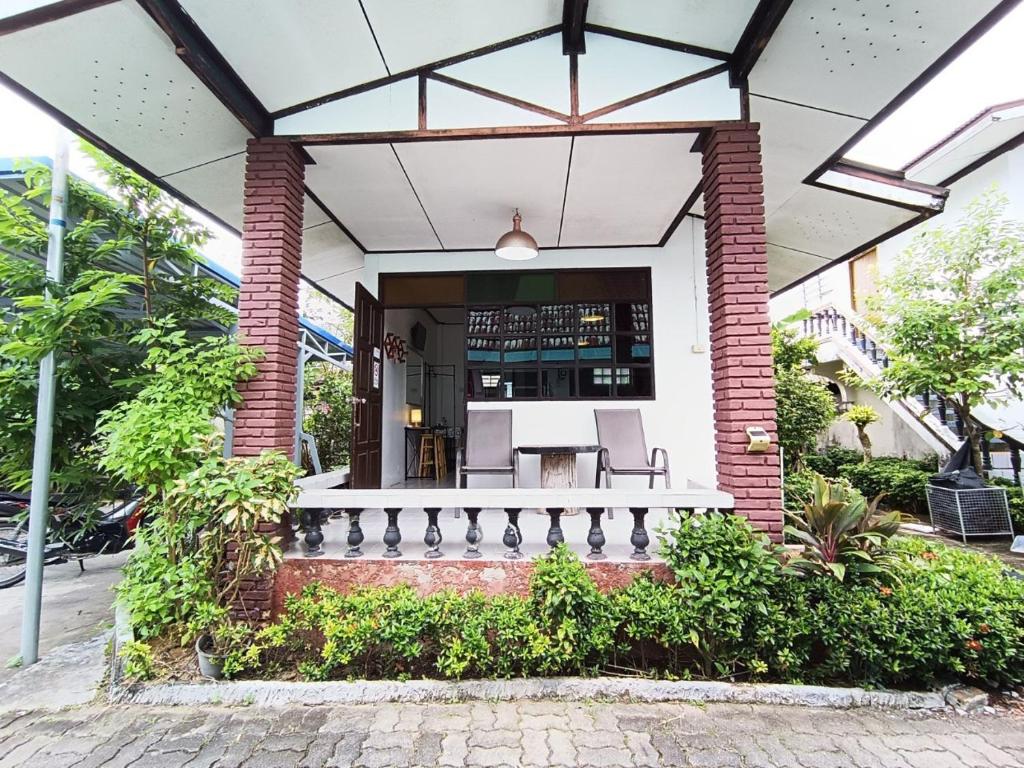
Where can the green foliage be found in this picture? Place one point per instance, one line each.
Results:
(178, 581)
(805, 408)
(328, 417)
(861, 416)
(153, 440)
(830, 463)
(804, 405)
(950, 614)
(137, 659)
(1015, 498)
(841, 533)
(902, 481)
(570, 608)
(90, 320)
(797, 487)
(732, 612)
(950, 313)
(725, 574)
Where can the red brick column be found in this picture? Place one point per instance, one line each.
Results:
(741, 354)
(268, 304)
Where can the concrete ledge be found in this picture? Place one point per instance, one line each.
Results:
(272, 693)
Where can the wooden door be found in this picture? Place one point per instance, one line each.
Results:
(863, 272)
(367, 391)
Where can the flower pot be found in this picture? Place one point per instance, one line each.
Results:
(210, 664)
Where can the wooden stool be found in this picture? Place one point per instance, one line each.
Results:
(440, 458)
(427, 463)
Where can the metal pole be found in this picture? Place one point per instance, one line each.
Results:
(40, 501)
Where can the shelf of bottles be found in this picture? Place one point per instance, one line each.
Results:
(559, 351)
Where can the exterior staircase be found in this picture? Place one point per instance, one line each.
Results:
(844, 336)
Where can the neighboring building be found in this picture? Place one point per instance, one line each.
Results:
(986, 152)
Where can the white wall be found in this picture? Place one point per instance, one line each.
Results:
(680, 419)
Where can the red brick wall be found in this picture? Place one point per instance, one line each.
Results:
(268, 304)
(741, 360)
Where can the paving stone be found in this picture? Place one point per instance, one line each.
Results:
(507, 734)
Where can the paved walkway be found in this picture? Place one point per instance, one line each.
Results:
(528, 734)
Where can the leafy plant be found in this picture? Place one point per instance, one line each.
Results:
(842, 534)
(951, 311)
(725, 574)
(570, 607)
(804, 405)
(901, 481)
(832, 460)
(328, 416)
(138, 660)
(91, 319)
(861, 416)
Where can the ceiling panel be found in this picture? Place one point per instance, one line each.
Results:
(855, 57)
(716, 25)
(785, 266)
(794, 141)
(471, 189)
(392, 107)
(215, 186)
(328, 253)
(829, 223)
(537, 72)
(312, 214)
(412, 33)
(614, 69)
(626, 190)
(294, 51)
(707, 99)
(114, 71)
(365, 187)
(450, 107)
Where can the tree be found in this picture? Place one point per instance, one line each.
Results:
(860, 416)
(804, 406)
(951, 314)
(91, 319)
(328, 413)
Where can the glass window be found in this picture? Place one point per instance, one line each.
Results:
(595, 348)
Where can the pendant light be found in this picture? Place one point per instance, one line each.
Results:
(516, 245)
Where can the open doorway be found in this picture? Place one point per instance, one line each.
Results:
(424, 396)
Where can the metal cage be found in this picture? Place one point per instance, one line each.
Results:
(969, 511)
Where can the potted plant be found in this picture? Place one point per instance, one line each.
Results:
(205, 628)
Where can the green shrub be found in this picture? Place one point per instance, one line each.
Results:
(575, 615)
(951, 614)
(1015, 498)
(732, 613)
(725, 573)
(901, 480)
(831, 462)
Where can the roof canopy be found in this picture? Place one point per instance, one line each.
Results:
(590, 110)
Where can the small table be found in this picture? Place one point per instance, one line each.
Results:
(558, 464)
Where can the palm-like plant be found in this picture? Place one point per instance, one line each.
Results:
(842, 533)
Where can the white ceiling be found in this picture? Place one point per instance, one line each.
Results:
(114, 71)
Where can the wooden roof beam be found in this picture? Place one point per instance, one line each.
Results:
(574, 20)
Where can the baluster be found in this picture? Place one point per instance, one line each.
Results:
(595, 537)
(1015, 463)
(432, 538)
(555, 536)
(474, 533)
(986, 454)
(392, 536)
(314, 535)
(842, 320)
(513, 536)
(942, 410)
(355, 534)
(807, 329)
(639, 538)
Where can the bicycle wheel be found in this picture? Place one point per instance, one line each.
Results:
(12, 566)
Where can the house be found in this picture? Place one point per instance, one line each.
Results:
(675, 162)
(985, 152)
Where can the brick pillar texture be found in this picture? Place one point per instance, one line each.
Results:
(268, 303)
(268, 317)
(741, 355)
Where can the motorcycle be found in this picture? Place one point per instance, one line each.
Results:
(71, 535)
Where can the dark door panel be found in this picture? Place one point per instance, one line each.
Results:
(367, 390)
